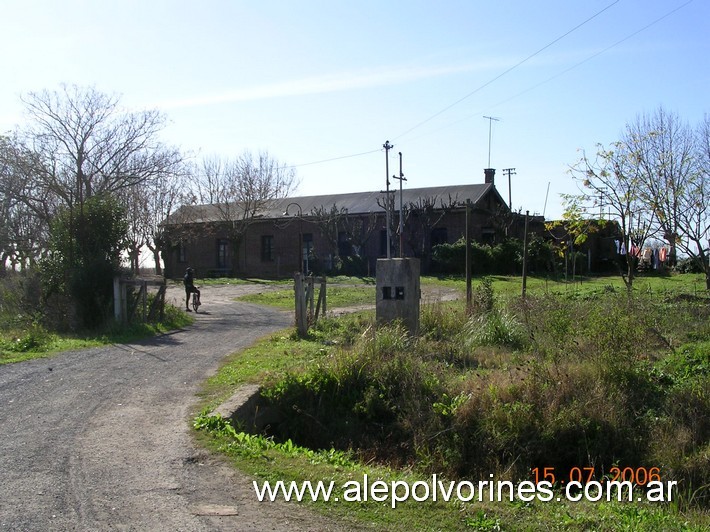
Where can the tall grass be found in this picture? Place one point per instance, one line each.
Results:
(550, 381)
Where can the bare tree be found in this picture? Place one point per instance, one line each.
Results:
(148, 204)
(25, 207)
(330, 221)
(612, 181)
(84, 144)
(240, 189)
(663, 150)
(420, 217)
(163, 195)
(694, 211)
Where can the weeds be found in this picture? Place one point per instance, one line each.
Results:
(575, 383)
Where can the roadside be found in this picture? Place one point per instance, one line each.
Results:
(99, 439)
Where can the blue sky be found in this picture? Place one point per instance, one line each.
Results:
(319, 80)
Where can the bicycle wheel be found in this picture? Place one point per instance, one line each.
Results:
(195, 302)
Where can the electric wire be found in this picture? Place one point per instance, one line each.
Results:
(478, 89)
(507, 71)
(559, 74)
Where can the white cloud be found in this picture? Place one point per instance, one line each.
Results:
(344, 81)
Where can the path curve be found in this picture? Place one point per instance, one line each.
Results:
(99, 439)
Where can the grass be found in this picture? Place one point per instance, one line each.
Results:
(339, 296)
(508, 285)
(479, 379)
(355, 291)
(504, 388)
(23, 338)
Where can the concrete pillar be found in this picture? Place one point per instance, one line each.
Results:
(398, 292)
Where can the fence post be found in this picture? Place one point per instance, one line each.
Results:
(300, 297)
(310, 289)
(117, 298)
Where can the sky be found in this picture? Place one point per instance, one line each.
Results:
(456, 86)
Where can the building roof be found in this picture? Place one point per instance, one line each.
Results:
(353, 203)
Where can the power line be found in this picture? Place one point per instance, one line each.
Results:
(496, 78)
(560, 74)
(334, 159)
(630, 36)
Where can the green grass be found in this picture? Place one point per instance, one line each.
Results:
(354, 291)
(508, 285)
(494, 366)
(29, 341)
(338, 296)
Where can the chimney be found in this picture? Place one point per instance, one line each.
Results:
(490, 174)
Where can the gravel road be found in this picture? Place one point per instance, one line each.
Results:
(99, 439)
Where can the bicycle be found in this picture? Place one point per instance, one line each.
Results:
(195, 301)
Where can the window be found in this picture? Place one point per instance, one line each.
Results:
(344, 246)
(307, 245)
(267, 248)
(383, 243)
(439, 236)
(307, 251)
(182, 253)
(222, 252)
(488, 236)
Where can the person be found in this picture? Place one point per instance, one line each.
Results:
(189, 282)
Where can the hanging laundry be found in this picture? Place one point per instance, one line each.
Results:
(663, 254)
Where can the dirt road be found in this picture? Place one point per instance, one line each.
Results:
(99, 439)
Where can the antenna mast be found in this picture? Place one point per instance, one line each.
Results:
(490, 128)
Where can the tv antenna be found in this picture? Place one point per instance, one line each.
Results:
(490, 128)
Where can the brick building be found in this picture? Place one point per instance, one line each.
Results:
(322, 234)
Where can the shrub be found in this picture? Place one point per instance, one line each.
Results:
(576, 382)
(495, 328)
(84, 254)
(373, 398)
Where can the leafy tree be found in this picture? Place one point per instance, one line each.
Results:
(84, 255)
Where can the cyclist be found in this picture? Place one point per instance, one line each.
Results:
(189, 282)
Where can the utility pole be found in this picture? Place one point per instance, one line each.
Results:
(469, 290)
(401, 215)
(387, 146)
(509, 172)
(525, 255)
(490, 124)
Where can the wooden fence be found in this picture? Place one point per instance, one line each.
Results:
(127, 305)
(304, 288)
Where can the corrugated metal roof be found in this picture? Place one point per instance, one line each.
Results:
(354, 202)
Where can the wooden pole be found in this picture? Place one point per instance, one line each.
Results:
(525, 255)
(117, 298)
(469, 292)
(300, 298)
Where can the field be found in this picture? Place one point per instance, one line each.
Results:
(576, 377)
